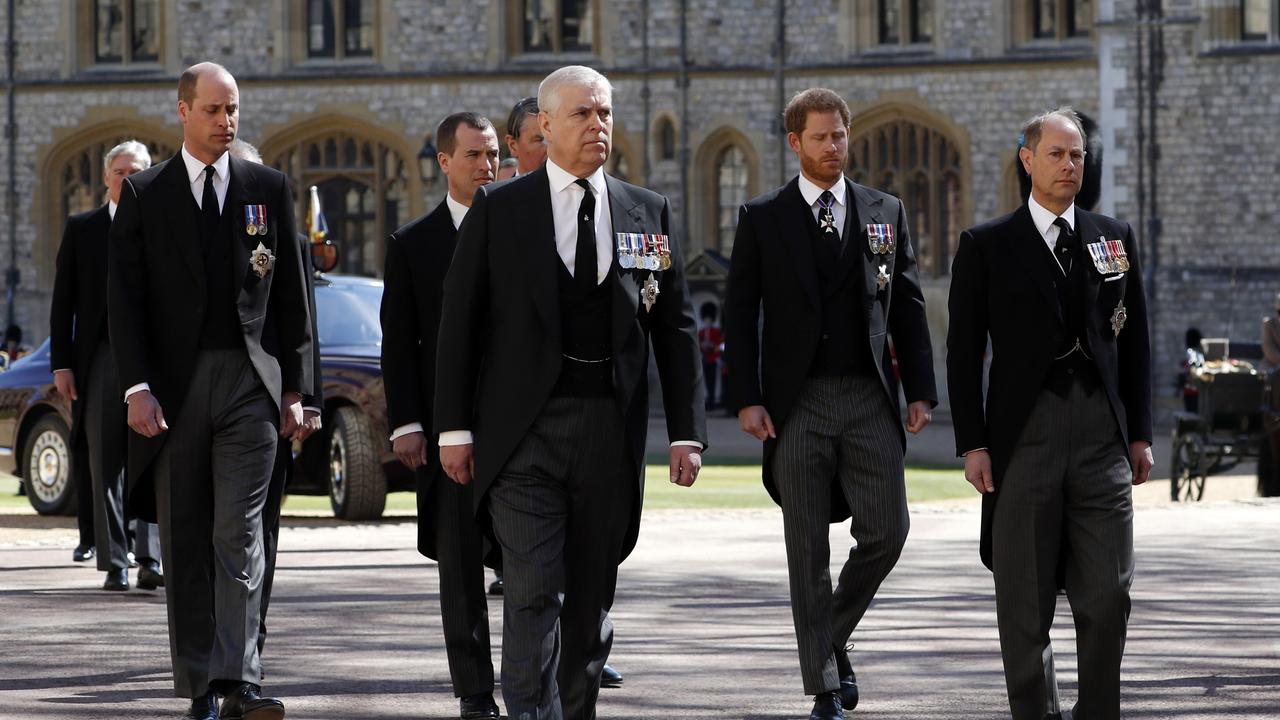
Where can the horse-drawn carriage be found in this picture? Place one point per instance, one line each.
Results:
(1229, 424)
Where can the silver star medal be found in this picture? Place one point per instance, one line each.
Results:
(1118, 318)
(828, 222)
(882, 277)
(649, 293)
(261, 260)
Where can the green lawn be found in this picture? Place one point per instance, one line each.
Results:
(739, 486)
(719, 487)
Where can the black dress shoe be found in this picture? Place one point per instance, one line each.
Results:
(83, 553)
(827, 707)
(495, 587)
(610, 677)
(244, 703)
(203, 708)
(117, 580)
(149, 576)
(480, 705)
(848, 681)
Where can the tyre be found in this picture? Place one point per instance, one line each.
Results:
(46, 458)
(357, 488)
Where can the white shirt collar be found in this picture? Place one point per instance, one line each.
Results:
(195, 168)
(1043, 218)
(457, 210)
(811, 192)
(561, 178)
(111, 209)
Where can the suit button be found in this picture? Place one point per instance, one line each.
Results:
(1071, 371)
(826, 336)
(247, 329)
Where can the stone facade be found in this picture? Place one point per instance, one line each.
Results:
(1216, 264)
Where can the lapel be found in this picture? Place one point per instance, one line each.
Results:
(95, 237)
(242, 189)
(1088, 233)
(179, 211)
(626, 215)
(867, 209)
(1033, 257)
(792, 207)
(538, 247)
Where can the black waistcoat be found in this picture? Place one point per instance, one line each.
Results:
(221, 329)
(586, 323)
(842, 347)
(1071, 296)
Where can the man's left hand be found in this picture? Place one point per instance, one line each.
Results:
(311, 422)
(1141, 460)
(686, 461)
(290, 415)
(919, 414)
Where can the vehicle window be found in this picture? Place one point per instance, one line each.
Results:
(348, 314)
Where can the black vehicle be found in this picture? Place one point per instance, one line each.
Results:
(350, 460)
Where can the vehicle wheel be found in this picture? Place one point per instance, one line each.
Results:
(47, 469)
(357, 488)
(1186, 476)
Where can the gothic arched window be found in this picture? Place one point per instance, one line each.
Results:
(920, 165)
(364, 191)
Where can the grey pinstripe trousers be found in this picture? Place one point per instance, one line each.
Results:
(560, 509)
(212, 477)
(842, 430)
(1065, 500)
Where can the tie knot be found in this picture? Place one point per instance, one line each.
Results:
(209, 171)
(582, 183)
(826, 199)
(1063, 225)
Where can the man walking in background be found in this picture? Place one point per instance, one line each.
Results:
(418, 256)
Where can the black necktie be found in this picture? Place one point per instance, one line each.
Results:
(1065, 246)
(209, 201)
(827, 219)
(584, 265)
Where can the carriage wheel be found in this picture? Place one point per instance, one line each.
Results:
(1186, 471)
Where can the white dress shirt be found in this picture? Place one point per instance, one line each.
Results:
(566, 198)
(1043, 218)
(457, 211)
(195, 175)
(811, 192)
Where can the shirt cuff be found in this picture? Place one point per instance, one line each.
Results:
(406, 430)
(966, 452)
(692, 443)
(136, 388)
(315, 410)
(58, 370)
(456, 437)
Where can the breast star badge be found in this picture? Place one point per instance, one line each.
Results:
(261, 260)
(1118, 318)
(882, 277)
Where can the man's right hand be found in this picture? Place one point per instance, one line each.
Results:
(145, 416)
(411, 448)
(459, 462)
(755, 421)
(65, 381)
(977, 470)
